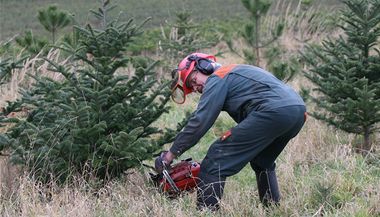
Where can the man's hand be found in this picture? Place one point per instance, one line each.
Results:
(164, 160)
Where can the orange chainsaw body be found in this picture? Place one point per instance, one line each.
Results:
(184, 175)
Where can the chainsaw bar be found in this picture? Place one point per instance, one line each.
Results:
(170, 181)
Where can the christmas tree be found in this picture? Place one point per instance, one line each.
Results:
(183, 38)
(53, 20)
(346, 74)
(260, 38)
(95, 120)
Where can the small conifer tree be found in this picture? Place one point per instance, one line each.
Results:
(94, 121)
(53, 20)
(346, 72)
(182, 38)
(31, 43)
(8, 63)
(257, 40)
(6, 67)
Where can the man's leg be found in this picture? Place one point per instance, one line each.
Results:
(210, 191)
(264, 165)
(227, 157)
(267, 186)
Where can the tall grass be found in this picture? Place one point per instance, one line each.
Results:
(20, 78)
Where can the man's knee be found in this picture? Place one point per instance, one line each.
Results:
(259, 166)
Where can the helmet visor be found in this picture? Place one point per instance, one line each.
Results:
(178, 94)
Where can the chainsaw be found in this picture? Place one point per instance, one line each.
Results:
(177, 179)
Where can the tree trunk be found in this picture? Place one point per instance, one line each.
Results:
(366, 146)
(257, 39)
(53, 33)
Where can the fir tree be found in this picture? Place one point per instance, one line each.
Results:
(53, 19)
(7, 64)
(32, 44)
(346, 72)
(94, 121)
(6, 67)
(182, 38)
(257, 40)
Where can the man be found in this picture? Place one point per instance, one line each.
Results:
(268, 112)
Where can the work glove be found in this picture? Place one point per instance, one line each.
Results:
(161, 162)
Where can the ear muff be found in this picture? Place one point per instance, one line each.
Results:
(205, 66)
(201, 64)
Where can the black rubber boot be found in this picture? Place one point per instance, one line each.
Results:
(210, 191)
(268, 187)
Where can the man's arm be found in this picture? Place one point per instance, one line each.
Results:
(209, 107)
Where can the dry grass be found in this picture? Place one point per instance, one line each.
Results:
(20, 79)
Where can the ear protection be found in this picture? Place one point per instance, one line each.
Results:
(201, 64)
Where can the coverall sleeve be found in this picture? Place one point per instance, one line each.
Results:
(208, 109)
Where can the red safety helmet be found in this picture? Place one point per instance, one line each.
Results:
(180, 75)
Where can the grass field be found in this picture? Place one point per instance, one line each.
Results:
(24, 12)
(16, 16)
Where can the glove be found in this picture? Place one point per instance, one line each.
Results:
(161, 162)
